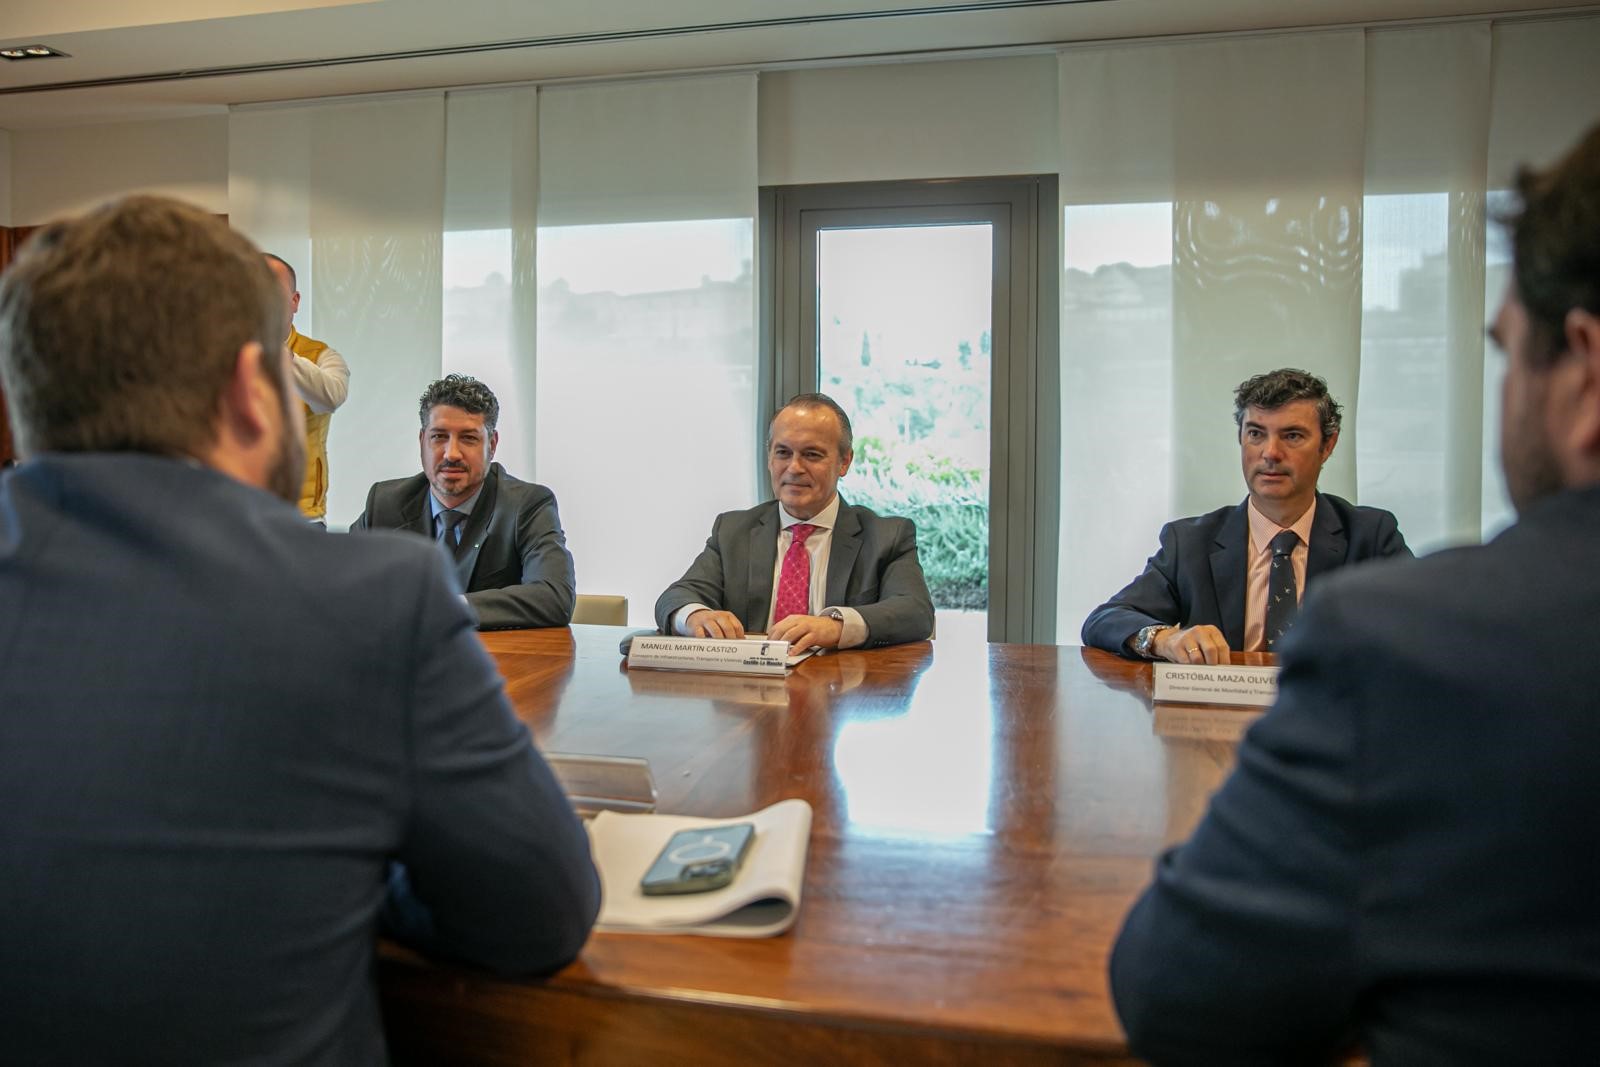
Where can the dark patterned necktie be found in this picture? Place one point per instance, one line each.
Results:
(450, 527)
(1282, 595)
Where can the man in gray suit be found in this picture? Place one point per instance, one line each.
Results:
(504, 535)
(229, 743)
(807, 568)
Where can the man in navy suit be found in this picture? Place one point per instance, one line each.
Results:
(1407, 856)
(503, 534)
(228, 741)
(1233, 578)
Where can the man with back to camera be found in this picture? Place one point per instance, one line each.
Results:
(503, 534)
(1406, 856)
(322, 379)
(807, 568)
(1234, 578)
(228, 742)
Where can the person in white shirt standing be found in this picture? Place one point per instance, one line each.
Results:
(322, 378)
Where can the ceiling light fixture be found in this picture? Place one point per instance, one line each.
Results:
(31, 51)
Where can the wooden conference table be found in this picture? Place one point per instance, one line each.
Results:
(983, 818)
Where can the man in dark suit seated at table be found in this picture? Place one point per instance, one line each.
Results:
(848, 577)
(228, 741)
(1406, 857)
(504, 535)
(1234, 578)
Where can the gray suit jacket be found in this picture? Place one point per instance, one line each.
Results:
(512, 561)
(872, 567)
(222, 732)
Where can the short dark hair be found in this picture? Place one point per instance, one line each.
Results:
(465, 392)
(294, 279)
(820, 400)
(1276, 388)
(1555, 242)
(120, 330)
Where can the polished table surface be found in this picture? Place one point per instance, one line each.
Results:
(984, 815)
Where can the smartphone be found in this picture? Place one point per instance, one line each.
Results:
(698, 861)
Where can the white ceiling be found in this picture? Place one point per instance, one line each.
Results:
(327, 47)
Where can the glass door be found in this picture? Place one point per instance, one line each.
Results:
(916, 306)
(904, 342)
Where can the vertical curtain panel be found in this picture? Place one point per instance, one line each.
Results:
(1321, 200)
(647, 354)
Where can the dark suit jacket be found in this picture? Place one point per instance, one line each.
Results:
(512, 560)
(1407, 853)
(872, 567)
(1197, 576)
(219, 728)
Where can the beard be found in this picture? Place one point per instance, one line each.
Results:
(1528, 461)
(288, 473)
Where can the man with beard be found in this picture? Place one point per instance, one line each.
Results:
(1233, 579)
(1406, 857)
(228, 742)
(503, 535)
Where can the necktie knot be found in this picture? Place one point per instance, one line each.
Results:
(449, 520)
(1285, 543)
(800, 531)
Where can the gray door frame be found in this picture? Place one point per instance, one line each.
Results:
(1025, 420)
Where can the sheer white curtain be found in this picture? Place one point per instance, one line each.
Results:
(410, 220)
(647, 356)
(1211, 229)
(490, 292)
(1325, 199)
(352, 194)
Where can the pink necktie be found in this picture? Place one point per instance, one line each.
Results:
(794, 580)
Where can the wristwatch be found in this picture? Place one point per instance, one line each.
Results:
(835, 614)
(1144, 642)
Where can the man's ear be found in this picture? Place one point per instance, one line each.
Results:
(844, 465)
(494, 443)
(248, 399)
(1327, 445)
(1582, 336)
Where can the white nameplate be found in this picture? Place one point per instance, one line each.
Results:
(746, 656)
(1216, 683)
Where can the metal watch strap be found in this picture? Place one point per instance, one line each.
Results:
(1144, 641)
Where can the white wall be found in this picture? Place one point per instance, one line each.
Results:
(909, 120)
(63, 171)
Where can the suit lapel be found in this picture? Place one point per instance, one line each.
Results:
(842, 554)
(1328, 541)
(1228, 573)
(763, 547)
(415, 515)
(477, 527)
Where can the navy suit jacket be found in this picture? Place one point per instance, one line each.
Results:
(222, 732)
(872, 567)
(511, 560)
(1406, 856)
(1197, 577)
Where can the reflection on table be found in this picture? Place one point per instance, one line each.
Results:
(984, 815)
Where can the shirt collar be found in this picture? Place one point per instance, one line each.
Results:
(465, 507)
(822, 520)
(1263, 529)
